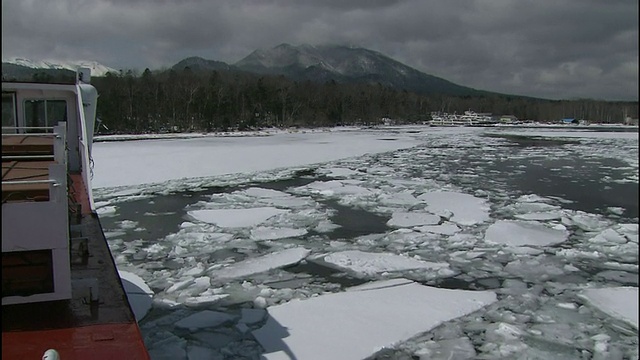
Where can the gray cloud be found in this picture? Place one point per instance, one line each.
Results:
(547, 48)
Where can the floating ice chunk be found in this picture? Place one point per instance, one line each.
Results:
(532, 207)
(204, 319)
(325, 226)
(181, 285)
(139, 294)
(335, 188)
(588, 222)
(410, 219)
(608, 236)
(260, 302)
(525, 250)
(341, 172)
(204, 300)
(128, 224)
(459, 349)
(198, 286)
(195, 271)
(615, 210)
(466, 209)
(502, 331)
(275, 198)
(534, 269)
(628, 228)
(260, 264)
(264, 193)
(618, 276)
(403, 198)
(355, 324)
(273, 233)
(618, 302)
(106, 211)
(236, 218)
(533, 198)
(369, 264)
(447, 228)
(187, 224)
(539, 216)
(518, 233)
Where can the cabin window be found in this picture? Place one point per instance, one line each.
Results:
(44, 113)
(9, 110)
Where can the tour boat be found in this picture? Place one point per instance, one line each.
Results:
(62, 297)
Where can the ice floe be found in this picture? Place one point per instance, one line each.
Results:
(235, 218)
(463, 209)
(519, 233)
(618, 302)
(410, 219)
(446, 228)
(260, 264)
(273, 233)
(368, 264)
(356, 323)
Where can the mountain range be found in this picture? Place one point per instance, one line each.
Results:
(97, 69)
(321, 63)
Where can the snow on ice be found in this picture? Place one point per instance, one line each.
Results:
(368, 264)
(354, 324)
(618, 302)
(519, 233)
(235, 218)
(465, 209)
(260, 264)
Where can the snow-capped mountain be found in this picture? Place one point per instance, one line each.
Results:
(97, 69)
(345, 64)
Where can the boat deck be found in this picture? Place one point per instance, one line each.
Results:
(25, 170)
(97, 322)
(27, 145)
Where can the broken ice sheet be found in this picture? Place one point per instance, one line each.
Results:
(274, 233)
(467, 209)
(356, 323)
(618, 302)
(519, 233)
(410, 219)
(236, 218)
(369, 264)
(260, 264)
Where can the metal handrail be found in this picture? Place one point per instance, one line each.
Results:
(33, 134)
(28, 127)
(25, 157)
(27, 182)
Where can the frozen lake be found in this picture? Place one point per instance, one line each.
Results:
(540, 227)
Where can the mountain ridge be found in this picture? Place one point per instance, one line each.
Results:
(305, 62)
(340, 63)
(97, 69)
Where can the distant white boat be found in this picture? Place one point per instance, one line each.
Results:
(469, 118)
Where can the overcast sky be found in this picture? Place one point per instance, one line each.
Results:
(547, 48)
